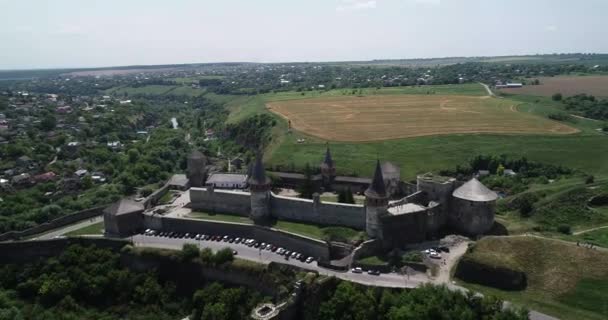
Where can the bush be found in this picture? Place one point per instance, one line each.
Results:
(557, 97)
(564, 228)
(223, 256)
(189, 252)
(206, 256)
(590, 179)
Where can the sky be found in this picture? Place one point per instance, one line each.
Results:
(89, 33)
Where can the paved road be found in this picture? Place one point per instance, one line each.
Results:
(70, 228)
(393, 280)
(264, 256)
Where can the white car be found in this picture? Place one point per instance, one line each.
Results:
(356, 270)
(310, 259)
(435, 255)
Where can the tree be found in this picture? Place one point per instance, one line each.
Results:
(133, 155)
(557, 97)
(564, 228)
(307, 187)
(223, 256)
(189, 252)
(48, 123)
(590, 179)
(206, 255)
(500, 170)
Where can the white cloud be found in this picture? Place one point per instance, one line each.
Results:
(356, 5)
(551, 28)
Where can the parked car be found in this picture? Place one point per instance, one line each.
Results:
(309, 260)
(373, 272)
(356, 270)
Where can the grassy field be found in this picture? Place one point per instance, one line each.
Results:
(566, 85)
(564, 280)
(585, 150)
(96, 228)
(383, 117)
(219, 217)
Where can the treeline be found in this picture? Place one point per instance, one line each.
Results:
(587, 106)
(89, 283)
(254, 132)
(522, 166)
(348, 301)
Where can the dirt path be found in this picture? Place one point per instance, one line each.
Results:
(450, 261)
(490, 93)
(581, 117)
(588, 230)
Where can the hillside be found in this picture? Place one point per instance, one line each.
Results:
(564, 280)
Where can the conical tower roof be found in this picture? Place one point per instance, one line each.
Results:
(258, 173)
(474, 190)
(376, 188)
(328, 162)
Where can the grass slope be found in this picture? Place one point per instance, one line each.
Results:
(564, 280)
(96, 228)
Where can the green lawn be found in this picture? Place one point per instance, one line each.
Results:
(96, 228)
(374, 261)
(598, 237)
(342, 234)
(559, 275)
(219, 217)
(309, 230)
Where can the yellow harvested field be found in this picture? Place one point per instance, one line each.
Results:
(382, 117)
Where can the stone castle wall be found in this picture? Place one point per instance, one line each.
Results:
(54, 224)
(220, 201)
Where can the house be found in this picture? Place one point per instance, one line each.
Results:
(227, 181)
(125, 101)
(114, 145)
(45, 177)
(21, 180)
(64, 109)
(98, 177)
(24, 161)
(81, 173)
(509, 172)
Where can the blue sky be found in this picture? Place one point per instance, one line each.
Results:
(87, 33)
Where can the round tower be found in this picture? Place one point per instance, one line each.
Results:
(328, 170)
(259, 185)
(376, 204)
(473, 207)
(196, 171)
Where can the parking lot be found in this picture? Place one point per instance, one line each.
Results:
(241, 246)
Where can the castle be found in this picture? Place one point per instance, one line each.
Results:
(435, 204)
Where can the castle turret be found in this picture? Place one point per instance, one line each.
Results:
(259, 185)
(328, 170)
(196, 172)
(376, 204)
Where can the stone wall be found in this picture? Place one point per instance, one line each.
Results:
(472, 217)
(220, 201)
(366, 249)
(307, 246)
(54, 224)
(296, 209)
(342, 214)
(497, 277)
(318, 212)
(153, 198)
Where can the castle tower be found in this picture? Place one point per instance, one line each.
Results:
(259, 185)
(196, 171)
(376, 204)
(328, 170)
